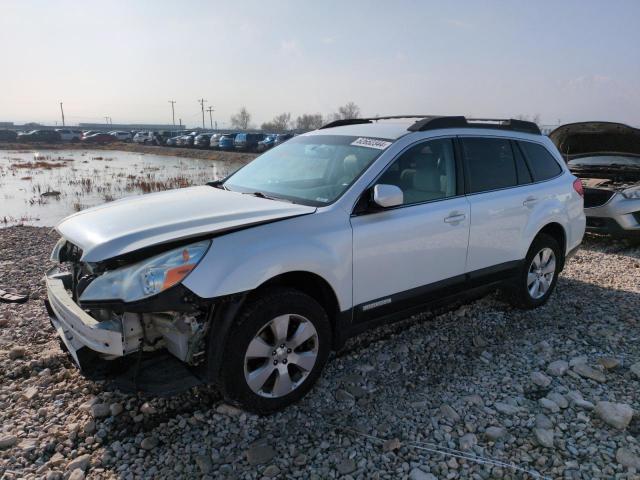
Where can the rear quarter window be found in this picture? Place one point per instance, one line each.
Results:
(542, 164)
(524, 174)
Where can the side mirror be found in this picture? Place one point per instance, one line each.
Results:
(387, 196)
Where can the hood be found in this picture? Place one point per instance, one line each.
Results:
(133, 223)
(585, 139)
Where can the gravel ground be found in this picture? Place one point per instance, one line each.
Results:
(555, 392)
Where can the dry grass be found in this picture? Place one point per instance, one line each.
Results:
(40, 164)
(222, 156)
(80, 186)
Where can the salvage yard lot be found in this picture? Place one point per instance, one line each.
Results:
(475, 380)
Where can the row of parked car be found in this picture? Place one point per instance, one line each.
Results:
(247, 142)
(64, 135)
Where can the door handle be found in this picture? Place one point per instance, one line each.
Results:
(530, 201)
(455, 218)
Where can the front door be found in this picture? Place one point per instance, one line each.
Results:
(404, 253)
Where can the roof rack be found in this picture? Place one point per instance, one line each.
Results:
(346, 121)
(435, 122)
(359, 121)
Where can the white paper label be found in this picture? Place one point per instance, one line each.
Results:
(371, 143)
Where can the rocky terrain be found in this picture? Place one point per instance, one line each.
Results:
(483, 391)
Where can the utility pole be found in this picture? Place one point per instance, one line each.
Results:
(210, 109)
(106, 120)
(62, 111)
(173, 112)
(201, 102)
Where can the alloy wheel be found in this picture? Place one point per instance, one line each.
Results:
(541, 273)
(281, 356)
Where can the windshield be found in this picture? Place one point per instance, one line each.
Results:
(312, 170)
(606, 161)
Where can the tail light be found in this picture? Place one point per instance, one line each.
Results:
(577, 186)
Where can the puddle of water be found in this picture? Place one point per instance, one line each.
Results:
(41, 188)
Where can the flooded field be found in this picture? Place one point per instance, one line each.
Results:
(42, 187)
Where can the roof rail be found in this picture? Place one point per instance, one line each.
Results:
(435, 122)
(346, 121)
(524, 126)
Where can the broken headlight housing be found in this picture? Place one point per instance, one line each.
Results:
(148, 277)
(632, 193)
(55, 254)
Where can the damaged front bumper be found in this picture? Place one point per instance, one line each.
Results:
(175, 321)
(75, 327)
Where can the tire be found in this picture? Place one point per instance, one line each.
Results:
(255, 326)
(519, 292)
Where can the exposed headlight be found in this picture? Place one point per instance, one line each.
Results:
(146, 278)
(632, 193)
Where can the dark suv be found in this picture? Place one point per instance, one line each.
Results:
(248, 142)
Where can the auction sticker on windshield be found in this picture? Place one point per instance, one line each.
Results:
(371, 143)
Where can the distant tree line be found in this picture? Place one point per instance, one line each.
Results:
(285, 122)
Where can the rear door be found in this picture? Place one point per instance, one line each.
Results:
(403, 255)
(500, 208)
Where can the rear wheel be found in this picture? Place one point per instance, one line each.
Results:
(538, 276)
(276, 350)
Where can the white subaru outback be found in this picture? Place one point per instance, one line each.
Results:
(251, 281)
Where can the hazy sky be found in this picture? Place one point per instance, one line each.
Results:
(567, 60)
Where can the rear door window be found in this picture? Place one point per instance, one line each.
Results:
(543, 165)
(489, 164)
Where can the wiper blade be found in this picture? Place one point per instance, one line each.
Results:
(257, 194)
(268, 197)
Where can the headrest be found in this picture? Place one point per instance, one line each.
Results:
(351, 165)
(427, 177)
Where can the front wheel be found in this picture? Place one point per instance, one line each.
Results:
(538, 276)
(276, 350)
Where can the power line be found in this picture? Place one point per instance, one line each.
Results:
(201, 102)
(173, 112)
(210, 109)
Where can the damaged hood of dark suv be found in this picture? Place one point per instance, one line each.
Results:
(135, 223)
(605, 155)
